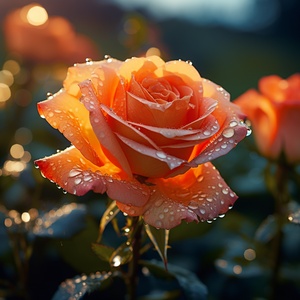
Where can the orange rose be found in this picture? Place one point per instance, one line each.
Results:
(144, 131)
(275, 116)
(54, 41)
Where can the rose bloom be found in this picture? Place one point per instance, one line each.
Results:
(50, 42)
(144, 131)
(274, 113)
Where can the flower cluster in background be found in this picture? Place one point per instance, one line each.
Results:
(55, 245)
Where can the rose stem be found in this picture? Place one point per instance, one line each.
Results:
(132, 277)
(281, 195)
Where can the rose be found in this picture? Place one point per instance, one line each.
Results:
(274, 113)
(52, 41)
(144, 131)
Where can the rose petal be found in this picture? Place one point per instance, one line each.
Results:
(208, 105)
(171, 114)
(232, 128)
(118, 125)
(162, 212)
(69, 116)
(265, 127)
(76, 175)
(200, 193)
(83, 71)
(102, 130)
(141, 67)
(146, 161)
(286, 140)
(192, 79)
(109, 89)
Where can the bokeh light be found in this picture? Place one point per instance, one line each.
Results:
(17, 151)
(23, 136)
(37, 16)
(12, 66)
(5, 92)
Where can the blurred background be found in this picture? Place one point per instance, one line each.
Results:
(233, 43)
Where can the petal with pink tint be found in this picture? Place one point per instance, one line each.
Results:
(161, 211)
(69, 116)
(109, 89)
(76, 175)
(124, 128)
(199, 194)
(106, 137)
(232, 127)
(146, 161)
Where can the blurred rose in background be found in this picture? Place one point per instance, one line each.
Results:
(31, 34)
(274, 113)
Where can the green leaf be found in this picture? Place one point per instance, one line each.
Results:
(160, 239)
(107, 217)
(191, 286)
(121, 256)
(78, 286)
(61, 223)
(267, 230)
(78, 253)
(102, 251)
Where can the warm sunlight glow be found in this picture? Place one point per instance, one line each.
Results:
(17, 151)
(153, 51)
(12, 66)
(37, 16)
(5, 92)
(25, 217)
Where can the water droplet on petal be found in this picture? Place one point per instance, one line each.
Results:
(206, 132)
(228, 132)
(74, 173)
(249, 131)
(233, 123)
(158, 224)
(77, 180)
(161, 154)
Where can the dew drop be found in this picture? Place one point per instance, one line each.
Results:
(228, 133)
(225, 191)
(202, 211)
(206, 132)
(161, 154)
(193, 206)
(158, 224)
(233, 123)
(74, 173)
(161, 216)
(89, 60)
(77, 180)
(101, 134)
(249, 131)
(200, 178)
